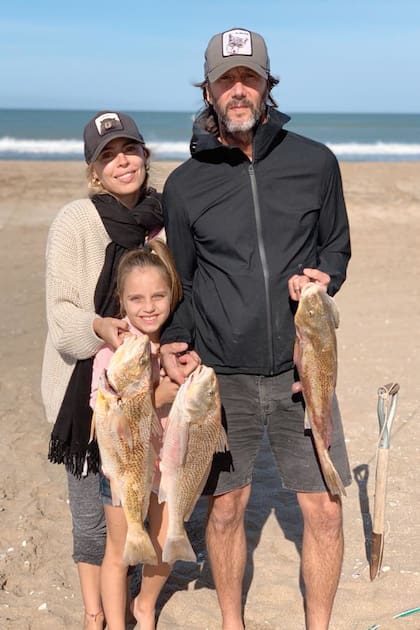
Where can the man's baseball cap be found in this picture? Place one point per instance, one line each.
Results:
(104, 127)
(233, 48)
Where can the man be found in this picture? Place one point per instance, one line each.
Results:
(255, 214)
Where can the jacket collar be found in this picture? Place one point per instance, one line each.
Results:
(266, 136)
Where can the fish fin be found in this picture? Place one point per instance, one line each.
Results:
(168, 483)
(307, 420)
(222, 441)
(119, 425)
(138, 546)
(131, 390)
(335, 313)
(332, 478)
(178, 548)
(296, 350)
(156, 428)
(92, 429)
(175, 445)
(163, 495)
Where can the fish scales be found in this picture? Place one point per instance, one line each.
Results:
(124, 419)
(315, 356)
(193, 434)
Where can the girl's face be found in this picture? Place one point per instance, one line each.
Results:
(121, 169)
(146, 300)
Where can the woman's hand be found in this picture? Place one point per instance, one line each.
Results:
(110, 329)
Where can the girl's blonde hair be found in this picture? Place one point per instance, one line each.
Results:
(155, 254)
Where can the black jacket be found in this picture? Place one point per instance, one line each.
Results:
(238, 230)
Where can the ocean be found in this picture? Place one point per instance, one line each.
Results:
(57, 134)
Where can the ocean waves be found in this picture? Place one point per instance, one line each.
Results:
(68, 149)
(72, 149)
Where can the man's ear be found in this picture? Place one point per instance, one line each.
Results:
(208, 95)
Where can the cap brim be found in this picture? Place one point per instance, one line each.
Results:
(111, 136)
(234, 62)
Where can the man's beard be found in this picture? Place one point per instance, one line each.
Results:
(255, 113)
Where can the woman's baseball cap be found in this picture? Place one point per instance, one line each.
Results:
(104, 127)
(233, 48)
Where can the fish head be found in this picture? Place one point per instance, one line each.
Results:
(130, 363)
(201, 396)
(316, 311)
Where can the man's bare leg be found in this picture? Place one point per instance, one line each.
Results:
(226, 546)
(322, 555)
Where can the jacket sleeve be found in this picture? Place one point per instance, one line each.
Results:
(69, 325)
(334, 248)
(180, 327)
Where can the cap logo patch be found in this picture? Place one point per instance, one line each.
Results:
(108, 122)
(236, 42)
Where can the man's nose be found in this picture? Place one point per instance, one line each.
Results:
(238, 89)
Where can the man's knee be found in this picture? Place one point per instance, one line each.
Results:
(321, 512)
(227, 510)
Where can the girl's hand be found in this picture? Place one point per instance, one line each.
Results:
(110, 329)
(165, 392)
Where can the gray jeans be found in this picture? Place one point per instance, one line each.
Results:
(87, 511)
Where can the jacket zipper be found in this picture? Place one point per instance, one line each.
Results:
(263, 257)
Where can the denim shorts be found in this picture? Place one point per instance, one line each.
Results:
(105, 490)
(254, 404)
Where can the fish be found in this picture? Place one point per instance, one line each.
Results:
(315, 356)
(194, 432)
(123, 421)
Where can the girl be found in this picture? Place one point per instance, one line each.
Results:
(148, 289)
(85, 242)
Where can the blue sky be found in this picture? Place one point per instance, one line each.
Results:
(330, 55)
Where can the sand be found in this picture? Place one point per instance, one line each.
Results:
(378, 343)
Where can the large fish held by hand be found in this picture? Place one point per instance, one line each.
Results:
(194, 432)
(315, 356)
(124, 420)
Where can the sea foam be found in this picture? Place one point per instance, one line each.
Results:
(166, 150)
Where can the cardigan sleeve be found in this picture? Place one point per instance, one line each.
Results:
(70, 322)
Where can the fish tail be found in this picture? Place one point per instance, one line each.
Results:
(138, 546)
(331, 476)
(178, 548)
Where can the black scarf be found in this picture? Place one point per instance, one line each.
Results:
(69, 442)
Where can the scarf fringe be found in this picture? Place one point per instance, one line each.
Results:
(75, 463)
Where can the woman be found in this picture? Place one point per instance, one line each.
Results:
(85, 243)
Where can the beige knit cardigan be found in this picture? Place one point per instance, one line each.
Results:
(75, 255)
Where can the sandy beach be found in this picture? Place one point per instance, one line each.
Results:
(378, 343)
